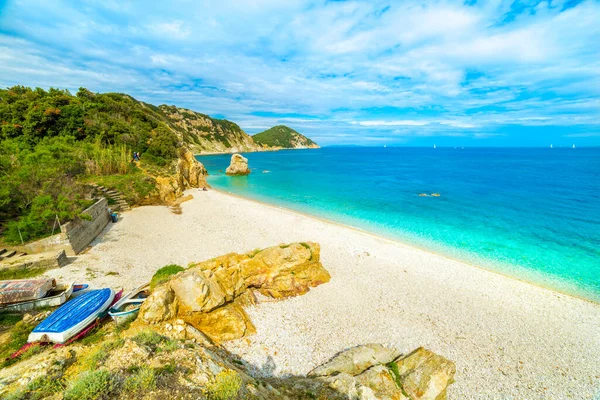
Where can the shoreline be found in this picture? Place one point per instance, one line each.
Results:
(216, 153)
(409, 245)
(508, 338)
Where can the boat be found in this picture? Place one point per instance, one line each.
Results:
(19, 290)
(73, 317)
(80, 286)
(573, 146)
(127, 308)
(434, 146)
(53, 298)
(551, 146)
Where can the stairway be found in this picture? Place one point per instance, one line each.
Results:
(120, 203)
(8, 254)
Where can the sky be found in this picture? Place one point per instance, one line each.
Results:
(451, 73)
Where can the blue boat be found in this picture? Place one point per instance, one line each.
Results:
(73, 317)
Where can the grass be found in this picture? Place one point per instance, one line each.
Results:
(20, 273)
(112, 273)
(134, 185)
(163, 274)
(143, 379)
(8, 319)
(153, 340)
(307, 246)
(18, 337)
(91, 385)
(393, 367)
(254, 252)
(226, 386)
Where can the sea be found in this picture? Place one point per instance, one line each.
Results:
(529, 213)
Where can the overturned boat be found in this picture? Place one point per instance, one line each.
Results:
(73, 317)
(56, 296)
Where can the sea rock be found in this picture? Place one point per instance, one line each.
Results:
(238, 165)
(356, 360)
(209, 295)
(425, 375)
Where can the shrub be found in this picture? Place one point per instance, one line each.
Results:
(163, 274)
(143, 379)
(91, 385)
(226, 386)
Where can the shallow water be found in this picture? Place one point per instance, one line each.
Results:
(533, 214)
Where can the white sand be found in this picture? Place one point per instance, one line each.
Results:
(509, 339)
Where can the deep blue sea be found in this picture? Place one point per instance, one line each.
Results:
(533, 214)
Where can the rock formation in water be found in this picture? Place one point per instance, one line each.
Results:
(238, 165)
(210, 295)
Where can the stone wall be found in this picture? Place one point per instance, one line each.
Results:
(74, 235)
(81, 232)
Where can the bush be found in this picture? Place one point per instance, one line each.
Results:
(226, 386)
(142, 380)
(163, 274)
(91, 385)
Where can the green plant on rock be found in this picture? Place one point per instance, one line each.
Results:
(226, 386)
(164, 273)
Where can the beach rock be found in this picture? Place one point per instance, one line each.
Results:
(160, 306)
(224, 323)
(209, 295)
(167, 188)
(128, 355)
(356, 360)
(196, 292)
(286, 270)
(238, 165)
(425, 375)
(380, 383)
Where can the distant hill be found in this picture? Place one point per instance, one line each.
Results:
(284, 137)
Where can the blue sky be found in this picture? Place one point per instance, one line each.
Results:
(470, 73)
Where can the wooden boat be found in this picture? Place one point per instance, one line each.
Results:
(73, 317)
(54, 298)
(127, 308)
(18, 290)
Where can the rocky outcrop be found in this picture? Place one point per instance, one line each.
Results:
(375, 372)
(189, 173)
(238, 165)
(210, 295)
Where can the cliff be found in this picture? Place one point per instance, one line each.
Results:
(283, 137)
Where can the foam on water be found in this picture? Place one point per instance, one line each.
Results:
(530, 213)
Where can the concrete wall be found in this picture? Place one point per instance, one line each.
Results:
(81, 232)
(75, 235)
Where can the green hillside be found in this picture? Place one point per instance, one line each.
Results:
(283, 136)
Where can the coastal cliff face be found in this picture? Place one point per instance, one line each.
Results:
(189, 173)
(203, 134)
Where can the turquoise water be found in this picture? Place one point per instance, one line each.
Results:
(533, 214)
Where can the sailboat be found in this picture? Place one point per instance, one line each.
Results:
(573, 146)
(434, 146)
(551, 146)
(384, 146)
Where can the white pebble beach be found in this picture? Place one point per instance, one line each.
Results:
(509, 339)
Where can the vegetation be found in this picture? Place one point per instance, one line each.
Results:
(91, 385)
(164, 273)
(282, 136)
(226, 386)
(18, 337)
(142, 380)
(20, 273)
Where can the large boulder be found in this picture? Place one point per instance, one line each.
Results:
(238, 165)
(376, 372)
(210, 295)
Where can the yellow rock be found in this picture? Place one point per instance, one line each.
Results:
(224, 323)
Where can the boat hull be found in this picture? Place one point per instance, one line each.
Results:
(56, 300)
(72, 317)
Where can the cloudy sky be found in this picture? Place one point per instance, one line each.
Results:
(471, 73)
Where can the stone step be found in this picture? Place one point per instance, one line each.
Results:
(2, 251)
(9, 253)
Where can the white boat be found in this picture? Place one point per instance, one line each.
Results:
(54, 298)
(434, 146)
(127, 308)
(573, 146)
(551, 146)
